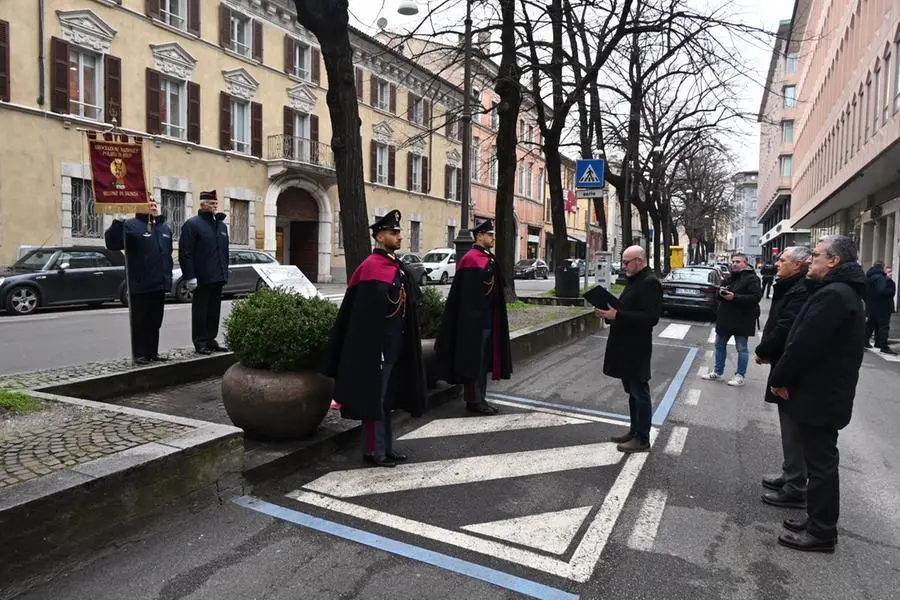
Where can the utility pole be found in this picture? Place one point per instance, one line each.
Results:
(464, 239)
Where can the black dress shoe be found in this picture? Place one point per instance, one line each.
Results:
(215, 347)
(204, 350)
(379, 461)
(158, 358)
(795, 525)
(481, 408)
(621, 439)
(887, 350)
(784, 500)
(397, 456)
(773, 482)
(141, 360)
(806, 542)
(867, 345)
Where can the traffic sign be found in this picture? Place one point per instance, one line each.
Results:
(590, 173)
(589, 193)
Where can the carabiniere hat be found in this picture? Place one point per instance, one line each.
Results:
(486, 227)
(389, 222)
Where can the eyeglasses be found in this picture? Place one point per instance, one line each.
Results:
(818, 254)
(627, 261)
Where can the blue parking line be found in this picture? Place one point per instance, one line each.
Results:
(576, 409)
(527, 587)
(662, 411)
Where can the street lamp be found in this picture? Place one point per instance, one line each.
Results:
(408, 8)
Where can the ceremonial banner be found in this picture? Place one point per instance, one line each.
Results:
(117, 175)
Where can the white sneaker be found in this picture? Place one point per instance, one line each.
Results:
(736, 381)
(711, 376)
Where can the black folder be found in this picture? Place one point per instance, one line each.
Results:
(600, 297)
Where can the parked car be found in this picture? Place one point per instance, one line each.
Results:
(242, 277)
(577, 262)
(63, 275)
(531, 268)
(692, 289)
(440, 265)
(413, 262)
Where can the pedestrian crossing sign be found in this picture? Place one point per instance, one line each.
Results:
(590, 173)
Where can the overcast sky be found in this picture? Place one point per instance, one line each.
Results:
(760, 13)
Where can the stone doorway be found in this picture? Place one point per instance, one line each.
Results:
(297, 231)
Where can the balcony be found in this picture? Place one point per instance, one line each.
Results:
(289, 153)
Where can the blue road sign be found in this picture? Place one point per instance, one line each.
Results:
(590, 173)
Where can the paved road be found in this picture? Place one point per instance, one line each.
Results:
(64, 337)
(536, 503)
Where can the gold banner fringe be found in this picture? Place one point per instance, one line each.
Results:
(121, 209)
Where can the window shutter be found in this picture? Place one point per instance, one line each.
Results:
(287, 144)
(373, 92)
(393, 107)
(193, 112)
(411, 100)
(224, 27)
(224, 121)
(392, 165)
(257, 40)
(256, 124)
(289, 54)
(314, 138)
(154, 124)
(448, 130)
(427, 112)
(112, 73)
(448, 172)
(151, 7)
(194, 17)
(373, 161)
(59, 76)
(409, 173)
(359, 84)
(4, 61)
(315, 59)
(426, 176)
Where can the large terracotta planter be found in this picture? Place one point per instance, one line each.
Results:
(429, 357)
(276, 406)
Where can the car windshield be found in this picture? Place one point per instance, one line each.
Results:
(34, 260)
(435, 257)
(689, 275)
(524, 263)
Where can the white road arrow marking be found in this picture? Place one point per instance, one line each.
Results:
(468, 425)
(550, 531)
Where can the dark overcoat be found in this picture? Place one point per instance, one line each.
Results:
(788, 298)
(738, 316)
(203, 248)
(629, 346)
(148, 252)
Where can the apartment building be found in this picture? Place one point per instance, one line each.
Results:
(744, 229)
(227, 95)
(844, 177)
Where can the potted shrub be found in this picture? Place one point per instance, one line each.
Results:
(431, 309)
(278, 337)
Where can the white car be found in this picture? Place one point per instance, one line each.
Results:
(440, 265)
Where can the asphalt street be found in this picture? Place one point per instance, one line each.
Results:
(71, 336)
(536, 503)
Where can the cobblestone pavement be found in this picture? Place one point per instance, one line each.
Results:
(63, 436)
(201, 400)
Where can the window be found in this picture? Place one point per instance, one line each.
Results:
(887, 88)
(529, 181)
(85, 223)
(82, 259)
(240, 126)
(241, 34)
(85, 94)
(520, 187)
(495, 117)
(530, 134)
(384, 95)
(476, 160)
(172, 205)
(540, 184)
(786, 166)
(452, 183)
(173, 12)
(415, 163)
(240, 222)
(415, 236)
(381, 163)
(867, 108)
(302, 137)
(790, 96)
(493, 167)
(302, 61)
(417, 110)
(787, 132)
(451, 235)
(340, 232)
(173, 108)
(521, 129)
(790, 63)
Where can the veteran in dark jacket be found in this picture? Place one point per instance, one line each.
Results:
(203, 256)
(630, 344)
(791, 292)
(816, 376)
(147, 241)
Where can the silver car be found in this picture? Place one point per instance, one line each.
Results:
(242, 277)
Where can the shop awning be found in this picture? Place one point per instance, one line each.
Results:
(576, 238)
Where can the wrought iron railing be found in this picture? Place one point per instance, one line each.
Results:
(300, 150)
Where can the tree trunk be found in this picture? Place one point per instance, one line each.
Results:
(645, 228)
(508, 88)
(633, 142)
(557, 208)
(328, 20)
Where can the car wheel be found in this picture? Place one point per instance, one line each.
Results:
(182, 294)
(123, 296)
(444, 278)
(22, 300)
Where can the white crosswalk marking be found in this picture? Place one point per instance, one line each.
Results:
(676, 440)
(675, 331)
(466, 425)
(693, 398)
(550, 532)
(644, 533)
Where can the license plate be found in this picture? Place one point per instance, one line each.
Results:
(687, 292)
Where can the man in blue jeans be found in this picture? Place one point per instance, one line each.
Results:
(737, 315)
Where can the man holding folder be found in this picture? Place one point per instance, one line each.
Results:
(630, 343)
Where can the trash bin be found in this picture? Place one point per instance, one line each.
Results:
(567, 280)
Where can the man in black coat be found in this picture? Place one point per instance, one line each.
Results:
(630, 345)
(768, 272)
(147, 241)
(791, 292)
(816, 376)
(737, 314)
(375, 351)
(880, 292)
(474, 335)
(203, 256)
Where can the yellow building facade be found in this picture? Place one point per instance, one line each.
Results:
(227, 95)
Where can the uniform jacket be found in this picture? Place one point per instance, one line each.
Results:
(203, 248)
(630, 343)
(738, 316)
(380, 303)
(788, 298)
(475, 303)
(824, 350)
(879, 292)
(148, 252)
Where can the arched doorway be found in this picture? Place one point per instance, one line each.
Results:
(297, 231)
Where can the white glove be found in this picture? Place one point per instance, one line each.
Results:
(191, 284)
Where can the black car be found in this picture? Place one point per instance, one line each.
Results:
(242, 277)
(63, 275)
(691, 289)
(531, 268)
(413, 262)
